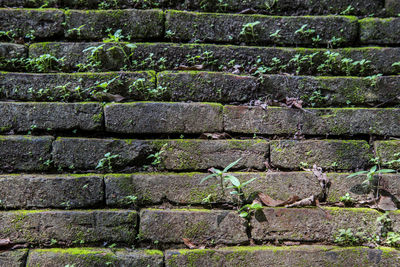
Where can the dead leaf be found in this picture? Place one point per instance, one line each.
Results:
(215, 136)
(270, 202)
(188, 243)
(294, 102)
(386, 203)
(248, 11)
(18, 246)
(310, 201)
(195, 67)
(291, 243)
(5, 242)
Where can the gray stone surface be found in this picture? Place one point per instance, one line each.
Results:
(23, 117)
(200, 154)
(68, 227)
(312, 224)
(328, 154)
(200, 226)
(85, 153)
(11, 56)
(388, 151)
(138, 24)
(392, 7)
(380, 31)
(219, 28)
(95, 257)
(159, 117)
(217, 57)
(25, 153)
(185, 188)
(335, 121)
(51, 191)
(16, 258)
(284, 256)
(74, 87)
(44, 23)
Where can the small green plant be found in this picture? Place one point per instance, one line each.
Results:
(44, 63)
(345, 237)
(373, 79)
(394, 162)
(396, 67)
(393, 239)
(304, 31)
(248, 31)
(315, 99)
(157, 157)
(130, 200)
(276, 35)
(77, 30)
(269, 4)
(106, 163)
(249, 209)
(347, 200)
(347, 11)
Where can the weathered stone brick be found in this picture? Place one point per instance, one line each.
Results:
(185, 188)
(69, 227)
(25, 153)
(44, 23)
(305, 255)
(159, 117)
(335, 121)
(380, 31)
(328, 154)
(12, 56)
(16, 258)
(94, 257)
(221, 28)
(51, 191)
(388, 151)
(392, 7)
(218, 57)
(95, 24)
(311, 224)
(200, 226)
(76, 87)
(85, 154)
(22, 117)
(208, 86)
(204, 154)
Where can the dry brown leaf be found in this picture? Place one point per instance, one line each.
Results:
(310, 201)
(291, 243)
(270, 202)
(215, 136)
(195, 67)
(188, 243)
(5, 242)
(386, 203)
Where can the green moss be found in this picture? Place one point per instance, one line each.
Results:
(152, 252)
(72, 251)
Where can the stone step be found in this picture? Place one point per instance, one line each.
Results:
(66, 87)
(362, 61)
(74, 191)
(380, 31)
(90, 256)
(203, 227)
(284, 256)
(388, 151)
(257, 29)
(66, 228)
(282, 7)
(198, 86)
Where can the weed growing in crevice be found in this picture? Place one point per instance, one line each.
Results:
(248, 32)
(107, 163)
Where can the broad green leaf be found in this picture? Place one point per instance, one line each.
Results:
(235, 181)
(208, 177)
(357, 173)
(385, 171)
(231, 165)
(244, 214)
(249, 181)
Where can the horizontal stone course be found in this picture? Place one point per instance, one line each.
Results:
(303, 7)
(11, 55)
(85, 154)
(311, 224)
(200, 226)
(77, 86)
(288, 121)
(306, 255)
(328, 154)
(96, 24)
(186, 26)
(221, 57)
(380, 31)
(94, 257)
(25, 153)
(23, 117)
(160, 117)
(186, 188)
(69, 227)
(32, 23)
(51, 191)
